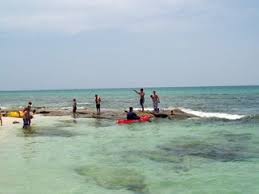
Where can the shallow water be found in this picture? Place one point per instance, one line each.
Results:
(215, 154)
(92, 156)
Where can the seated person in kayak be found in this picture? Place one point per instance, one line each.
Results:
(131, 115)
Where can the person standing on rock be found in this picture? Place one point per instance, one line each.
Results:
(141, 94)
(1, 121)
(74, 109)
(156, 101)
(98, 104)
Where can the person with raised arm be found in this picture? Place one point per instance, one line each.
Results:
(141, 94)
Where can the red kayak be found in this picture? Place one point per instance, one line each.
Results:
(142, 119)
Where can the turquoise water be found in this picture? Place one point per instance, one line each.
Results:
(197, 156)
(236, 100)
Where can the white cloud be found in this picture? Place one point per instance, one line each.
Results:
(81, 15)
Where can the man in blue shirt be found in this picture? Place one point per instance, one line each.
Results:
(131, 115)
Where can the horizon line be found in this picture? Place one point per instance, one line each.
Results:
(110, 88)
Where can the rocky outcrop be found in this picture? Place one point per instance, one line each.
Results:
(112, 114)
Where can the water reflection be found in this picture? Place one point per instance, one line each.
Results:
(29, 151)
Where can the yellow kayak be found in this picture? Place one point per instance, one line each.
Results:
(17, 114)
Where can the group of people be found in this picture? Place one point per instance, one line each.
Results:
(97, 103)
(154, 97)
(130, 114)
(27, 112)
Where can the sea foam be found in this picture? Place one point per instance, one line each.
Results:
(213, 114)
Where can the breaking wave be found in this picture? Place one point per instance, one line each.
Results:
(213, 114)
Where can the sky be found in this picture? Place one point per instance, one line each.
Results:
(76, 44)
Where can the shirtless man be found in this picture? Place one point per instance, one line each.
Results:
(26, 118)
(141, 94)
(98, 104)
(155, 100)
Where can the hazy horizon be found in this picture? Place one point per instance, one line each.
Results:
(111, 88)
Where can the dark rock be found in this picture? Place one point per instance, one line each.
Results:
(160, 115)
(16, 122)
(112, 115)
(44, 112)
(115, 178)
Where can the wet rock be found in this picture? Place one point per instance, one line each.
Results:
(16, 122)
(179, 114)
(160, 115)
(44, 112)
(112, 114)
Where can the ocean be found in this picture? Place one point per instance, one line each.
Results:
(216, 153)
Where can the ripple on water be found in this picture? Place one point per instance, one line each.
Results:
(65, 123)
(98, 123)
(225, 148)
(47, 132)
(238, 137)
(115, 178)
